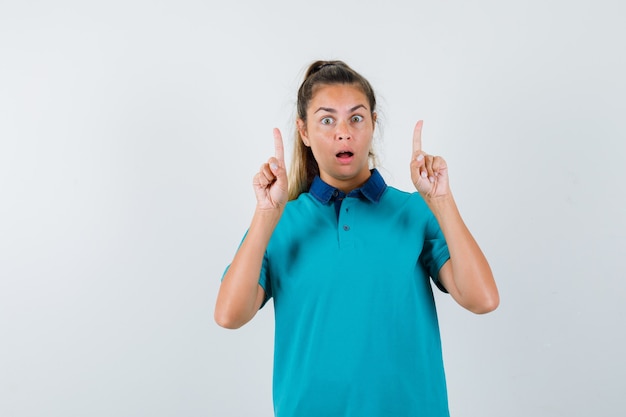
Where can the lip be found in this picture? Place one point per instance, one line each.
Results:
(345, 156)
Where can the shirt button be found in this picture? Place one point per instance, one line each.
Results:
(346, 227)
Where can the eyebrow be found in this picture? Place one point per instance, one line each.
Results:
(329, 110)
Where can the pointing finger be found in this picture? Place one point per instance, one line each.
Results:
(279, 151)
(417, 137)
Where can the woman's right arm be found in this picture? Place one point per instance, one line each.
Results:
(240, 296)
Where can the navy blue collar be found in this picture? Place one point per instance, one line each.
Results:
(372, 189)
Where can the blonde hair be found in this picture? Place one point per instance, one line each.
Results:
(304, 167)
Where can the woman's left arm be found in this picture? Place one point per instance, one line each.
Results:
(467, 275)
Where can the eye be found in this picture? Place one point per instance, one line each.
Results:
(327, 120)
(356, 118)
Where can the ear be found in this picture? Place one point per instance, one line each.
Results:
(302, 131)
(374, 118)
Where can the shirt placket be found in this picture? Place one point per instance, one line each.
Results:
(345, 223)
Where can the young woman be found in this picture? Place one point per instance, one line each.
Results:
(348, 261)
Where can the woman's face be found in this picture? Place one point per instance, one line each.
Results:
(339, 131)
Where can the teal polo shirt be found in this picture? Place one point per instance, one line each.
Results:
(356, 331)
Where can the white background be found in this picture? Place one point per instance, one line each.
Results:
(130, 132)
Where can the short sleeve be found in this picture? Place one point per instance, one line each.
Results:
(435, 252)
(264, 280)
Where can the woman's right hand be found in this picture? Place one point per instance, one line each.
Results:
(270, 183)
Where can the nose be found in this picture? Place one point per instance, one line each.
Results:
(343, 131)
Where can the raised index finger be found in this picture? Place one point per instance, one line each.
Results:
(279, 151)
(417, 137)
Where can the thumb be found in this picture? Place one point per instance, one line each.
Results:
(277, 162)
(276, 166)
(279, 171)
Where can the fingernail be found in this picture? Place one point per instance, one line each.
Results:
(420, 157)
(424, 174)
(274, 167)
(431, 179)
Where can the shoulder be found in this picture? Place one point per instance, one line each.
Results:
(409, 208)
(301, 218)
(303, 202)
(398, 197)
(303, 208)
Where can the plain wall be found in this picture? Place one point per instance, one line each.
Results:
(129, 135)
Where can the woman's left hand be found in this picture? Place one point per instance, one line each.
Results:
(429, 173)
(466, 275)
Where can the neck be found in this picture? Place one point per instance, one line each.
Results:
(348, 184)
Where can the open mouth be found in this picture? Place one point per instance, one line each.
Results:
(344, 155)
